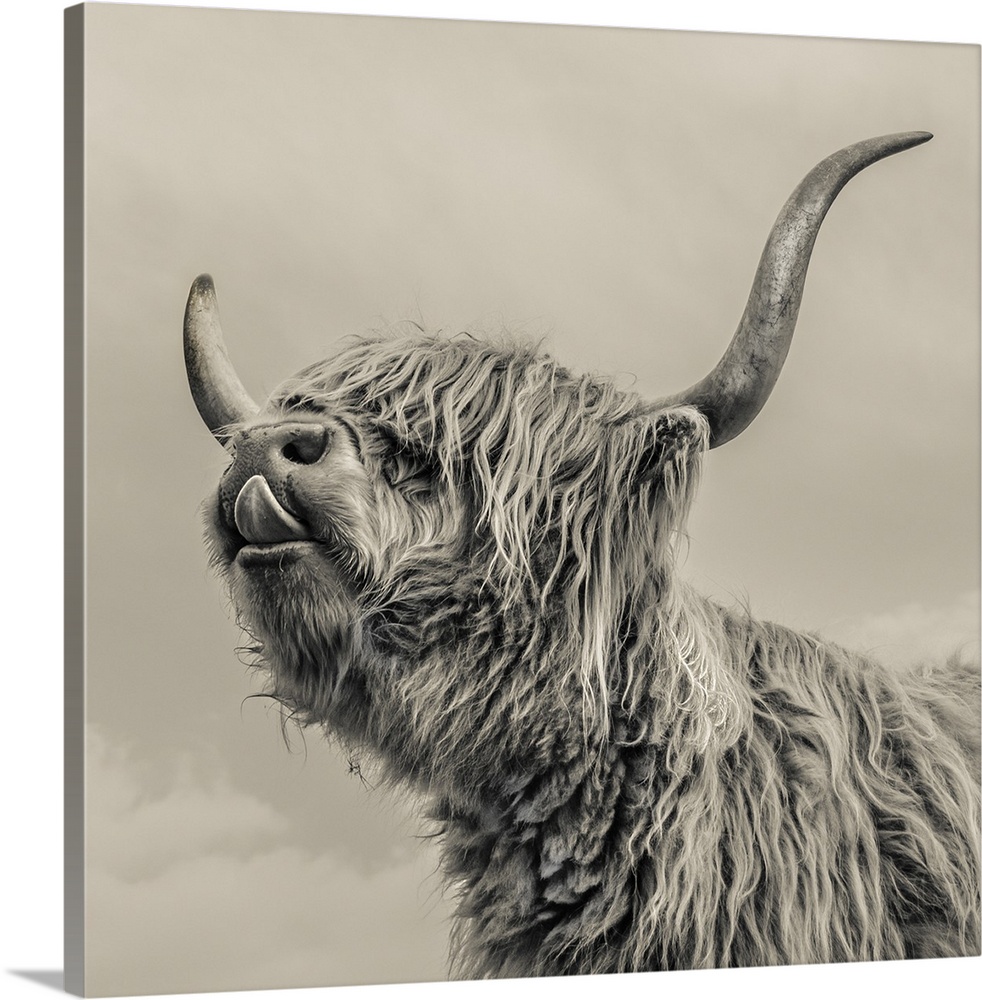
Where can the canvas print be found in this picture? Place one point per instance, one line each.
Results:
(500, 561)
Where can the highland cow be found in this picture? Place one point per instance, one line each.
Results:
(460, 558)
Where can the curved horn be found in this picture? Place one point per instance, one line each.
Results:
(220, 397)
(732, 394)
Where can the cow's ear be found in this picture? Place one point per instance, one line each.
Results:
(673, 442)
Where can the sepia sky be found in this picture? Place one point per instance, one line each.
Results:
(605, 190)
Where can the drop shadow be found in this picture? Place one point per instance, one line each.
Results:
(53, 978)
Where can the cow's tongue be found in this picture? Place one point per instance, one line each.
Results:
(261, 519)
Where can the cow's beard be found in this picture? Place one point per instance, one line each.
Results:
(298, 601)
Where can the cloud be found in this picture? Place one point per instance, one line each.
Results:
(140, 822)
(195, 885)
(915, 633)
(223, 923)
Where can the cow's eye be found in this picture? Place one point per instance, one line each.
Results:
(407, 472)
(303, 403)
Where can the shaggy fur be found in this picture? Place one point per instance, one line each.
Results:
(626, 775)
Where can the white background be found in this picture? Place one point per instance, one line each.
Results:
(32, 196)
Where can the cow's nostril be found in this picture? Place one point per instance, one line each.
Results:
(306, 446)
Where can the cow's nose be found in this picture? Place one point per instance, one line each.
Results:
(304, 444)
(266, 446)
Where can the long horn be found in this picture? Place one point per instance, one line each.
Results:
(732, 394)
(220, 397)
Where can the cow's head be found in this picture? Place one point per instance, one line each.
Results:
(427, 535)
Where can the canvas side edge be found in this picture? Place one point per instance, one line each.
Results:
(74, 496)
